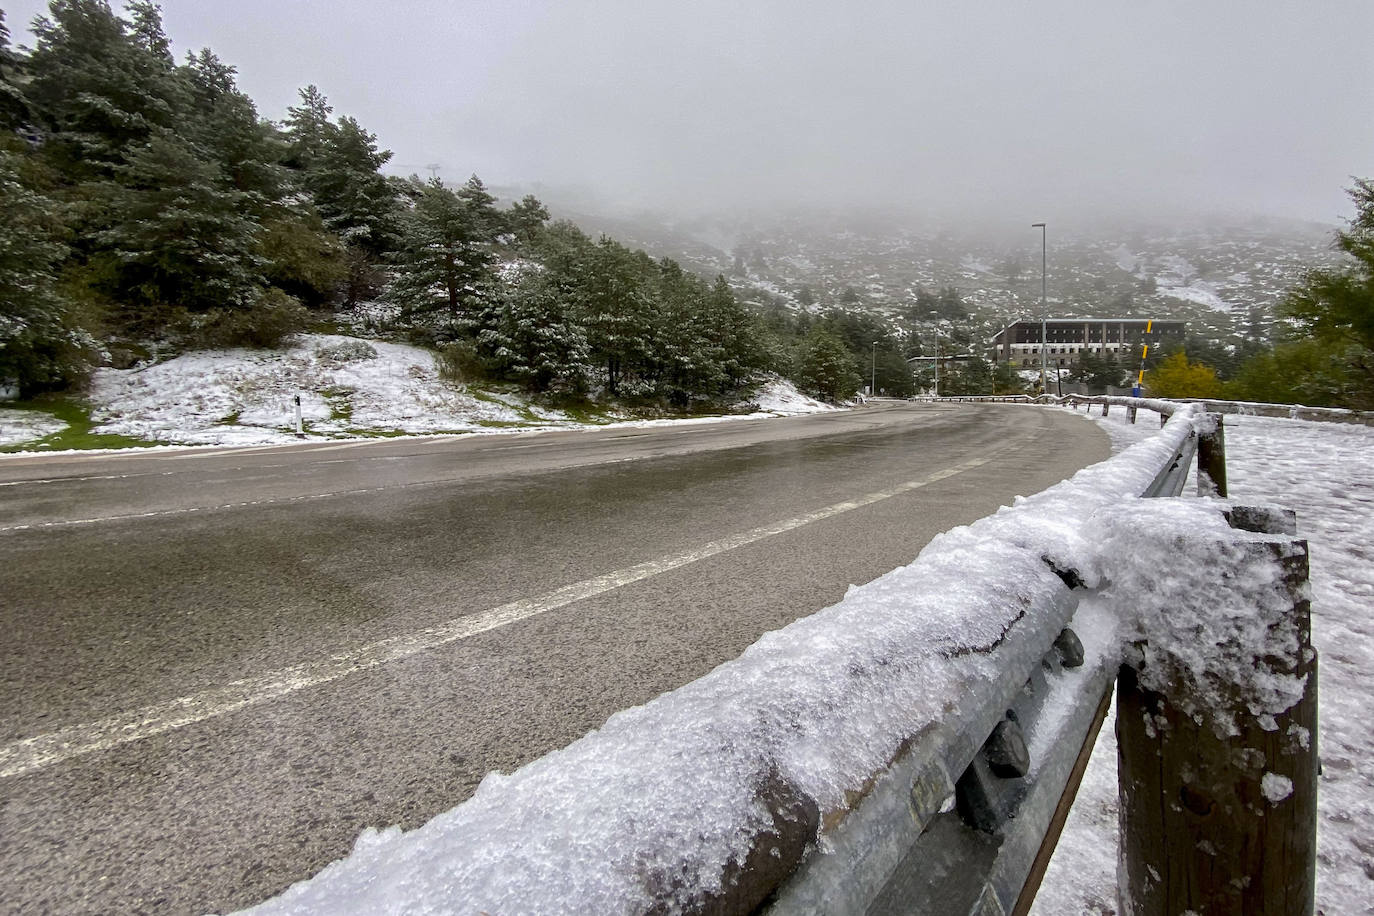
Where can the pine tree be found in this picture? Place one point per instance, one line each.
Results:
(307, 127)
(354, 198)
(537, 341)
(445, 259)
(336, 165)
(482, 208)
(145, 27)
(1336, 307)
(825, 367)
(685, 352)
(616, 313)
(41, 346)
(224, 128)
(526, 218)
(177, 237)
(15, 109)
(100, 90)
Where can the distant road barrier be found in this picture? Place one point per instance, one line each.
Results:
(1240, 408)
(916, 747)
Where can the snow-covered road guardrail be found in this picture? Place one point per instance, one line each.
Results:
(913, 742)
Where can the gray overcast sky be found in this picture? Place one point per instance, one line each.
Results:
(1045, 107)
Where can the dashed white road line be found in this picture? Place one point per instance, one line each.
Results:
(29, 754)
(187, 510)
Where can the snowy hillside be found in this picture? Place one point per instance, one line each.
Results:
(1220, 276)
(348, 387)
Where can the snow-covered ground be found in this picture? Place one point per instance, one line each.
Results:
(347, 387)
(1324, 472)
(18, 426)
(1199, 292)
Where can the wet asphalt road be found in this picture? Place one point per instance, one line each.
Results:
(218, 601)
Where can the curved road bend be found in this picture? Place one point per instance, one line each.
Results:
(218, 667)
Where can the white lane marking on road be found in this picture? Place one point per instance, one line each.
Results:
(507, 448)
(211, 453)
(271, 501)
(29, 754)
(38, 480)
(350, 444)
(67, 523)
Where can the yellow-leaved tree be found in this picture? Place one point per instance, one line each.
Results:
(1175, 377)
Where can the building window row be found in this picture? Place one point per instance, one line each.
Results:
(1077, 349)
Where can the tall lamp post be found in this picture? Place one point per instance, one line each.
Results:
(1044, 350)
(937, 362)
(873, 384)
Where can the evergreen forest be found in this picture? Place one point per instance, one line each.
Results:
(151, 209)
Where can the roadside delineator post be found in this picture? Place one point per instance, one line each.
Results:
(300, 428)
(1218, 805)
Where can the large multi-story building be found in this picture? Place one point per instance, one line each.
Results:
(1066, 339)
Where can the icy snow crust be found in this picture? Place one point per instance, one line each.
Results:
(1234, 640)
(665, 795)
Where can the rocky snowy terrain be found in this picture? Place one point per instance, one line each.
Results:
(1224, 277)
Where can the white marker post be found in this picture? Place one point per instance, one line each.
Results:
(300, 430)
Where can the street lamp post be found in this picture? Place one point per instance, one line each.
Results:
(937, 364)
(1044, 350)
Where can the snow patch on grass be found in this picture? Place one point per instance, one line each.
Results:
(247, 397)
(19, 426)
(347, 387)
(779, 396)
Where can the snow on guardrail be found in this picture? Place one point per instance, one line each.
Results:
(662, 808)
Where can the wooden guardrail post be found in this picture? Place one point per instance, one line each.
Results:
(1211, 459)
(1218, 803)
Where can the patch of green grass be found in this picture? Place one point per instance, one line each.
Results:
(340, 401)
(527, 416)
(77, 435)
(587, 413)
(321, 323)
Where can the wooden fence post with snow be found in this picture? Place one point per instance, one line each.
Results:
(1211, 459)
(1218, 763)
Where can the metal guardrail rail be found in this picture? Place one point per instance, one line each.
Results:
(962, 823)
(1237, 408)
(961, 812)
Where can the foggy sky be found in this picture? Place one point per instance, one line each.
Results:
(1033, 110)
